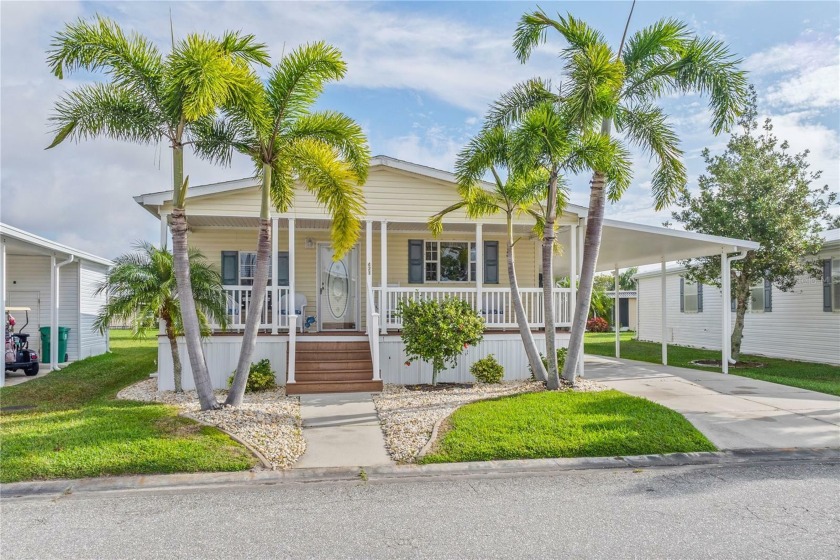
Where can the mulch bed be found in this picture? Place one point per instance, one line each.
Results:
(737, 365)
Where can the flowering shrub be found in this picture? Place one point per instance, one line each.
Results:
(439, 332)
(597, 324)
(488, 370)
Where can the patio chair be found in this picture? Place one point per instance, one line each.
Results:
(300, 308)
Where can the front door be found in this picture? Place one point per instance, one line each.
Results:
(338, 285)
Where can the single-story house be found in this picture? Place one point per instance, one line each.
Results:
(627, 309)
(801, 324)
(331, 325)
(57, 283)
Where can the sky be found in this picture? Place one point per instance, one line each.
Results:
(420, 78)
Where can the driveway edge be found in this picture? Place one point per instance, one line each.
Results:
(58, 488)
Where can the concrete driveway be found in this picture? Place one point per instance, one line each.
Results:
(733, 412)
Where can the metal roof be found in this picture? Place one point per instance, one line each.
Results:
(25, 241)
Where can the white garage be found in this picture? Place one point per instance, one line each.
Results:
(58, 284)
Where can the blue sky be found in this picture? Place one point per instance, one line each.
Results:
(419, 80)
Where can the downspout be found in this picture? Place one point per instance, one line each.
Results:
(727, 314)
(54, 327)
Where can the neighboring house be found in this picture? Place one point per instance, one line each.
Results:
(58, 283)
(801, 324)
(627, 309)
(397, 258)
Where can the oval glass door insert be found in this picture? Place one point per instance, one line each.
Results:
(338, 289)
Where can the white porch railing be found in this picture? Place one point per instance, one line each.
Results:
(494, 304)
(239, 301)
(373, 318)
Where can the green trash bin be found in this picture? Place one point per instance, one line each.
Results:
(63, 335)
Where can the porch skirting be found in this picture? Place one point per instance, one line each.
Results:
(222, 353)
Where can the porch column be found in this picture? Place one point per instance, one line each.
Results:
(290, 301)
(368, 269)
(479, 268)
(3, 297)
(725, 313)
(275, 287)
(664, 318)
(164, 230)
(53, 357)
(616, 318)
(383, 276)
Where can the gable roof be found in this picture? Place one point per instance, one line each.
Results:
(48, 246)
(159, 198)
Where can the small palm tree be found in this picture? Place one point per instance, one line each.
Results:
(142, 290)
(602, 88)
(325, 152)
(149, 98)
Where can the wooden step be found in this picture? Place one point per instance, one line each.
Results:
(303, 355)
(351, 375)
(336, 365)
(311, 387)
(332, 345)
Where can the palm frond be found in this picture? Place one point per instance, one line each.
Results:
(436, 221)
(523, 97)
(533, 27)
(215, 139)
(339, 131)
(654, 42)
(244, 48)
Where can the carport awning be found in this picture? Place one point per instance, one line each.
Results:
(624, 244)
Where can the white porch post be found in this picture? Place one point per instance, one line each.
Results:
(3, 297)
(290, 301)
(664, 317)
(368, 267)
(616, 318)
(572, 270)
(479, 268)
(275, 285)
(725, 313)
(383, 276)
(164, 230)
(53, 315)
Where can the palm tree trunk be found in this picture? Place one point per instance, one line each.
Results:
(189, 315)
(524, 330)
(591, 247)
(552, 376)
(742, 292)
(252, 323)
(176, 358)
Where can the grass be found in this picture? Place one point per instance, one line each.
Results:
(823, 378)
(78, 429)
(564, 424)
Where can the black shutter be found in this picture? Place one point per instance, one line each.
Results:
(491, 262)
(230, 268)
(283, 268)
(699, 298)
(682, 295)
(827, 304)
(768, 295)
(415, 261)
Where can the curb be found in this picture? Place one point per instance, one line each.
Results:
(174, 482)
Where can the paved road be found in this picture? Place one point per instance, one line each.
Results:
(755, 511)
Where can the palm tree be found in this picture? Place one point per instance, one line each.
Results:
(661, 59)
(148, 99)
(517, 193)
(325, 151)
(141, 290)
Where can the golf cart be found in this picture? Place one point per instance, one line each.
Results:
(18, 355)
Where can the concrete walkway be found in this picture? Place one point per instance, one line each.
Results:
(733, 412)
(341, 430)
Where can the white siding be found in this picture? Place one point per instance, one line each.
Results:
(68, 303)
(222, 354)
(25, 277)
(92, 342)
(797, 328)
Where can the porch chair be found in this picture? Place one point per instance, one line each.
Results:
(300, 308)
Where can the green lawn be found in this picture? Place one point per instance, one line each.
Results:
(806, 375)
(564, 424)
(78, 429)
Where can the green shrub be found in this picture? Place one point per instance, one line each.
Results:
(488, 370)
(561, 361)
(261, 378)
(438, 332)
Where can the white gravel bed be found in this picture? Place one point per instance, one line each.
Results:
(269, 421)
(408, 417)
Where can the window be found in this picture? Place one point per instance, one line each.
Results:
(690, 299)
(449, 261)
(760, 300)
(247, 268)
(835, 284)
